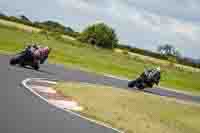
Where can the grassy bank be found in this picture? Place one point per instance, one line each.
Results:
(133, 112)
(18, 26)
(72, 53)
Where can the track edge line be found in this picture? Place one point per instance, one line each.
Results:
(24, 83)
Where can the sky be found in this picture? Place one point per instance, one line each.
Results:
(140, 23)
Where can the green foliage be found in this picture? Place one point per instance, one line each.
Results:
(2, 15)
(46, 25)
(176, 59)
(56, 27)
(188, 62)
(43, 32)
(142, 52)
(23, 19)
(168, 50)
(100, 35)
(52, 26)
(125, 52)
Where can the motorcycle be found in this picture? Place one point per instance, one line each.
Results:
(142, 82)
(23, 60)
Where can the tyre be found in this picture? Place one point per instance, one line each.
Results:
(16, 60)
(131, 84)
(22, 64)
(13, 61)
(140, 84)
(140, 87)
(36, 67)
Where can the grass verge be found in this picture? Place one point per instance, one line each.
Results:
(133, 112)
(18, 26)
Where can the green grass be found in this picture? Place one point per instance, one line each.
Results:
(74, 54)
(18, 26)
(133, 112)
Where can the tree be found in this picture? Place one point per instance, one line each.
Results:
(68, 30)
(168, 50)
(2, 14)
(53, 26)
(99, 35)
(171, 53)
(24, 18)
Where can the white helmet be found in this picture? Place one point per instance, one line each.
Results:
(158, 69)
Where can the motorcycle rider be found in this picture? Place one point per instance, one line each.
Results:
(151, 75)
(146, 79)
(37, 53)
(42, 54)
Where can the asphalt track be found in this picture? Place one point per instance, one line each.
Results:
(22, 112)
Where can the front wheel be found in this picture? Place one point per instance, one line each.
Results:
(17, 59)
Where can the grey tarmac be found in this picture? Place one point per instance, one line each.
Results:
(22, 112)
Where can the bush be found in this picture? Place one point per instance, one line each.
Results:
(125, 52)
(100, 35)
(148, 53)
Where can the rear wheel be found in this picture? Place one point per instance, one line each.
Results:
(36, 67)
(141, 87)
(140, 84)
(131, 84)
(22, 64)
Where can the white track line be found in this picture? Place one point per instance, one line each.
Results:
(160, 87)
(71, 105)
(46, 81)
(24, 83)
(43, 89)
(115, 77)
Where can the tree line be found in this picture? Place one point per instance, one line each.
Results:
(50, 26)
